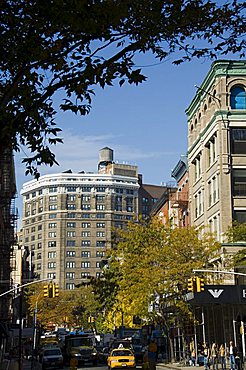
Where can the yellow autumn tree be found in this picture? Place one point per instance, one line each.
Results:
(155, 262)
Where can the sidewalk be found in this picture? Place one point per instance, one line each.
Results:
(13, 364)
(175, 366)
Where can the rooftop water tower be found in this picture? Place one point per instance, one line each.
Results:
(106, 156)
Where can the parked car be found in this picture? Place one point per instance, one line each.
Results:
(52, 358)
(121, 357)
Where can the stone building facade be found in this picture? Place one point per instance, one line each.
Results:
(217, 148)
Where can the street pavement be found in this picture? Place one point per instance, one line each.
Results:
(13, 364)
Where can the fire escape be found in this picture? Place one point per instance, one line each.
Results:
(8, 225)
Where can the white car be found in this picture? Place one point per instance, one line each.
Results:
(52, 358)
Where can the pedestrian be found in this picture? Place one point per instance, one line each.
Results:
(152, 355)
(206, 356)
(232, 354)
(193, 357)
(214, 356)
(222, 356)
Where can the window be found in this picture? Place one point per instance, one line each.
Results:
(85, 215)
(52, 215)
(53, 207)
(71, 188)
(98, 265)
(129, 191)
(32, 229)
(100, 198)
(118, 217)
(85, 225)
(71, 206)
(32, 237)
(71, 215)
(238, 140)
(70, 275)
(51, 275)
(85, 243)
(238, 97)
(212, 151)
(100, 243)
(85, 275)
(86, 189)
(71, 234)
(33, 194)
(85, 254)
(39, 227)
(85, 234)
(100, 207)
(239, 182)
(53, 189)
(213, 191)
(70, 253)
(51, 265)
(85, 264)
(85, 207)
(100, 254)
(52, 234)
(100, 215)
(101, 225)
(240, 216)
(38, 266)
(100, 234)
(198, 204)
(71, 198)
(53, 198)
(86, 198)
(100, 189)
(70, 265)
(71, 224)
(39, 256)
(52, 243)
(98, 274)
(119, 225)
(40, 192)
(198, 168)
(52, 225)
(119, 190)
(70, 243)
(51, 254)
(39, 245)
(70, 286)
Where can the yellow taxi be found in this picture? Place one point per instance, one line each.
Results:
(121, 357)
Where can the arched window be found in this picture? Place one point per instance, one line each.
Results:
(238, 98)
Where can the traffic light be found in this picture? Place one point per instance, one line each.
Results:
(46, 291)
(91, 319)
(199, 284)
(55, 290)
(192, 284)
(50, 290)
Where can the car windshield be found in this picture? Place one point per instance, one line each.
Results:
(51, 352)
(80, 342)
(122, 352)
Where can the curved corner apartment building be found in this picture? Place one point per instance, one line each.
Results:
(68, 218)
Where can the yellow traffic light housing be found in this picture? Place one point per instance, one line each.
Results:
(192, 284)
(199, 284)
(46, 291)
(55, 290)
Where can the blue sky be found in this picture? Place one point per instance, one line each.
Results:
(145, 125)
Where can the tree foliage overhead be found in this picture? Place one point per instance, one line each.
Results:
(74, 45)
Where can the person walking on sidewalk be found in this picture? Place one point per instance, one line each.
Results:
(206, 356)
(222, 356)
(214, 356)
(232, 354)
(152, 355)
